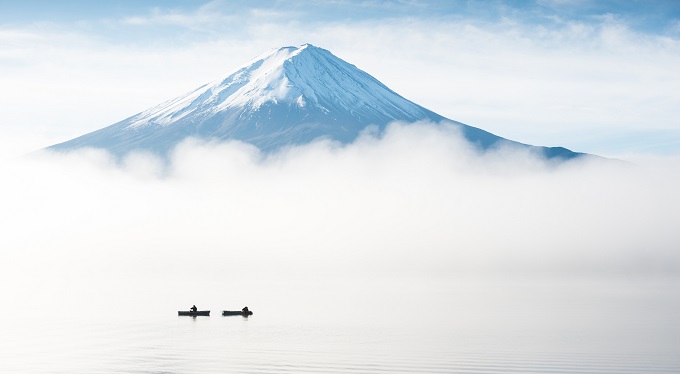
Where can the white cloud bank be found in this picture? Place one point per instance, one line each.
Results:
(418, 201)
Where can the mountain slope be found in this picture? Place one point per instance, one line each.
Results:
(292, 95)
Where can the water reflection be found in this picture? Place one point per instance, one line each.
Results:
(497, 326)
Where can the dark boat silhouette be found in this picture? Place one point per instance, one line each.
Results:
(236, 313)
(196, 313)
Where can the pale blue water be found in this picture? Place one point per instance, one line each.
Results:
(424, 326)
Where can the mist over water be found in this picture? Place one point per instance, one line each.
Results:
(492, 245)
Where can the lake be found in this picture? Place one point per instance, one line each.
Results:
(329, 324)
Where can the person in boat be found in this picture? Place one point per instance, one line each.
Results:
(245, 310)
(193, 309)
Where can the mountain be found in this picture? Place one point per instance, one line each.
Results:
(291, 95)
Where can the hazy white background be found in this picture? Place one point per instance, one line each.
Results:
(503, 250)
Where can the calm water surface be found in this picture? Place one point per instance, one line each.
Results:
(454, 326)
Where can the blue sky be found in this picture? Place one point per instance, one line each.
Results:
(594, 76)
(650, 16)
(77, 9)
(659, 16)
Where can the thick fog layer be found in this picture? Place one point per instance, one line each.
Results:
(414, 230)
(417, 200)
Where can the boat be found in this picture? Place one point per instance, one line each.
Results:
(194, 314)
(237, 313)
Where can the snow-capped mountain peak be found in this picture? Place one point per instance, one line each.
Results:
(293, 76)
(289, 95)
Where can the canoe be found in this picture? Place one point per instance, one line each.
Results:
(237, 313)
(196, 313)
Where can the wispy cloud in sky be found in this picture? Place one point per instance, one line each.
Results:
(207, 16)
